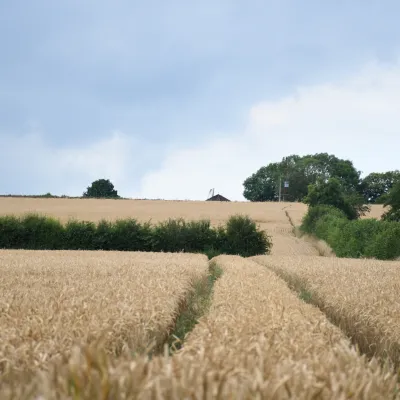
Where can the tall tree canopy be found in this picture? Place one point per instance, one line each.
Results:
(376, 186)
(393, 201)
(102, 188)
(263, 185)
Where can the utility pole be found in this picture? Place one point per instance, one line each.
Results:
(280, 187)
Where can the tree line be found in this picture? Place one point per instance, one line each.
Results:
(323, 178)
(300, 172)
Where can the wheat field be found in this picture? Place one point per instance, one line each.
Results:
(258, 341)
(278, 219)
(360, 296)
(268, 216)
(52, 300)
(78, 324)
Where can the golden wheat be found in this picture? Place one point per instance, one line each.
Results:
(258, 341)
(361, 296)
(51, 300)
(268, 216)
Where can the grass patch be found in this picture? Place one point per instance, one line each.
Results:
(196, 305)
(306, 296)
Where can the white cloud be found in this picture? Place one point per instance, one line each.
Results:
(357, 118)
(37, 167)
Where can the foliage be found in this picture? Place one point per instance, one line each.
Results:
(316, 213)
(386, 243)
(263, 185)
(79, 235)
(375, 186)
(353, 238)
(41, 232)
(332, 193)
(11, 232)
(243, 237)
(240, 236)
(393, 201)
(130, 235)
(102, 188)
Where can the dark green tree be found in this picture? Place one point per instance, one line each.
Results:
(333, 193)
(102, 188)
(324, 166)
(300, 172)
(375, 186)
(263, 185)
(393, 201)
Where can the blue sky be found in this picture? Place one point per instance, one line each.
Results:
(170, 99)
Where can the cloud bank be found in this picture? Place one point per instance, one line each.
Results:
(356, 118)
(29, 165)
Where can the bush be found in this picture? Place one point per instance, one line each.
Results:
(243, 237)
(130, 235)
(315, 213)
(11, 232)
(176, 235)
(330, 226)
(353, 238)
(104, 235)
(41, 232)
(240, 236)
(386, 244)
(79, 235)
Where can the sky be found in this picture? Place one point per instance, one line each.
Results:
(171, 99)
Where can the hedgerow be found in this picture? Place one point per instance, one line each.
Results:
(353, 238)
(240, 236)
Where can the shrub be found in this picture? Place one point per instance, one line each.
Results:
(79, 235)
(11, 233)
(315, 213)
(330, 226)
(355, 237)
(386, 243)
(103, 236)
(41, 232)
(130, 235)
(243, 237)
(175, 235)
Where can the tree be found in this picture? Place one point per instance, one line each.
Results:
(324, 166)
(332, 193)
(102, 188)
(376, 185)
(263, 185)
(300, 172)
(393, 201)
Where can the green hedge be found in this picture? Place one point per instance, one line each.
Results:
(354, 239)
(240, 235)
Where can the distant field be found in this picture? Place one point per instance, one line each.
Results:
(157, 210)
(272, 217)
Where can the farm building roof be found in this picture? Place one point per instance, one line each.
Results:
(218, 197)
